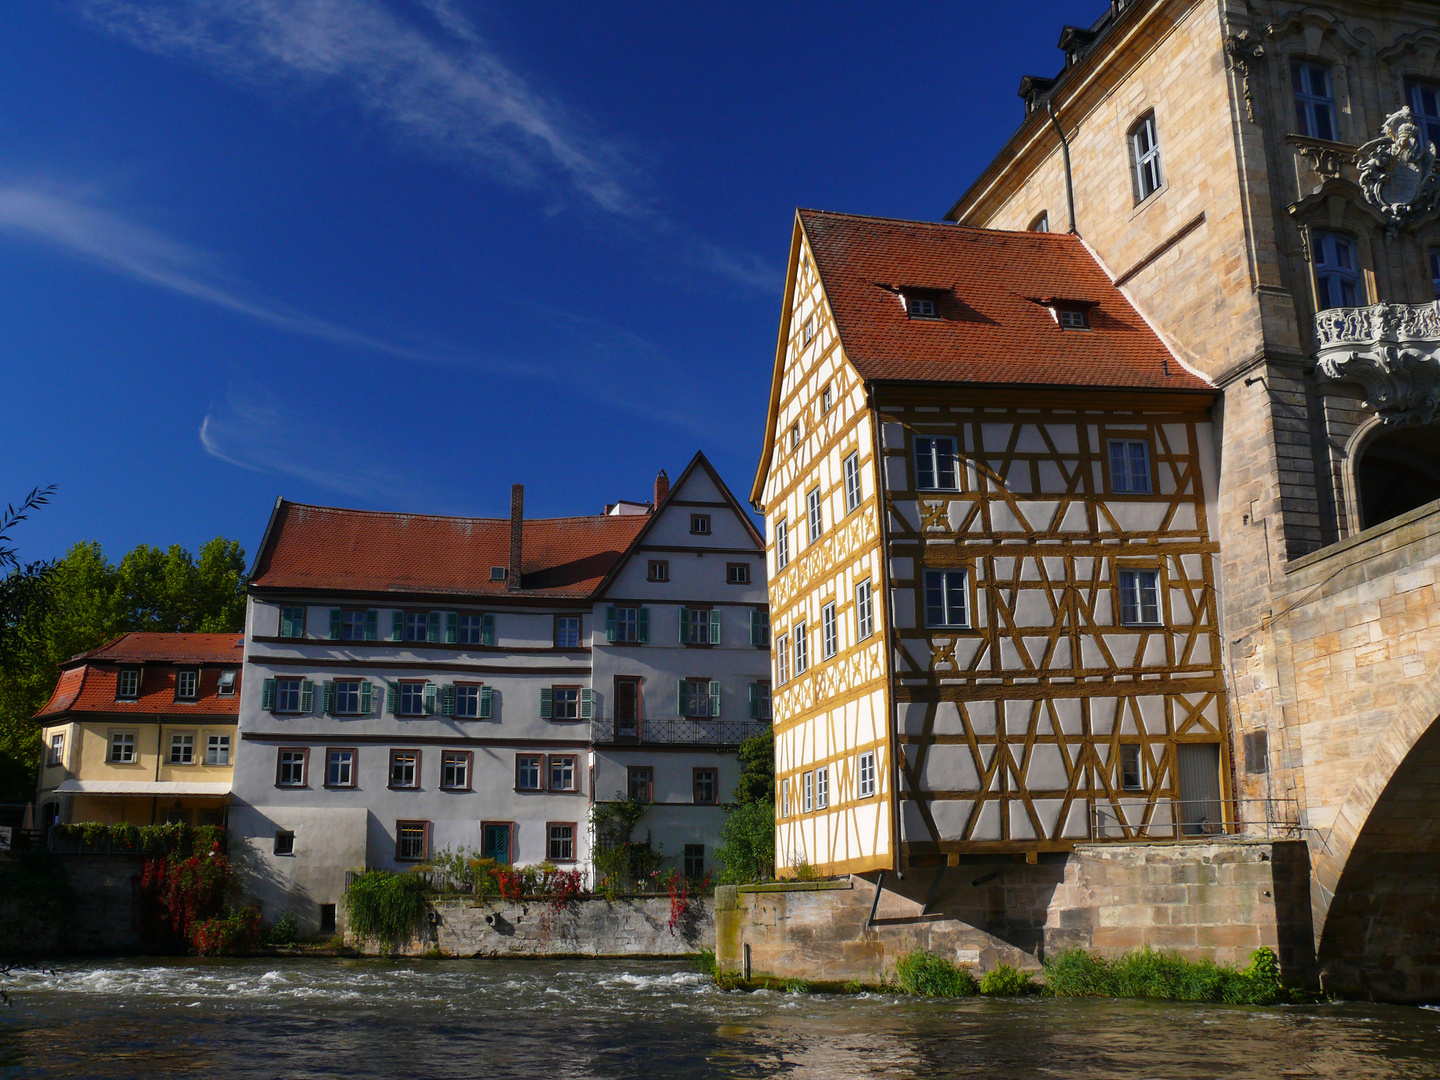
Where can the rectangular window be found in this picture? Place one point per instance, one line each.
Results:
(760, 701)
(290, 767)
(625, 623)
(561, 845)
(217, 750)
(700, 524)
(759, 626)
(1145, 158)
(809, 329)
(563, 772)
(182, 749)
(782, 545)
(187, 684)
(657, 570)
(827, 398)
(1425, 107)
(57, 749)
(339, 768)
(412, 841)
(935, 463)
(706, 787)
(737, 573)
(127, 687)
(417, 626)
(694, 863)
(795, 436)
(287, 695)
(1257, 752)
(808, 786)
(1314, 100)
(412, 699)
(865, 774)
(292, 622)
(829, 636)
(947, 598)
(122, 747)
(814, 514)
(1073, 319)
(471, 630)
(852, 482)
(527, 772)
(359, 625)
(864, 611)
(327, 918)
(565, 703)
(699, 626)
(695, 697)
(782, 659)
(1139, 597)
(802, 649)
(567, 631)
(455, 770)
(497, 840)
(784, 798)
(467, 701)
(404, 768)
(1337, 273)
(225, 685)
(1130, 776)
(640, 783)
(920, 307)
(284, 842)
(1130, 466)
(347, 697)
(822, 788)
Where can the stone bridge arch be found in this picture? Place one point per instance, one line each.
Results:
(1375, 892)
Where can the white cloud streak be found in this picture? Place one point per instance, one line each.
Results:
(433, 81)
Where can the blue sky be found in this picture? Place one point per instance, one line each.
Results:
(399, 254)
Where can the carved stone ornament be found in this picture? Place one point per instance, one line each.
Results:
(1398, 365)
(1243, 51)
(1398, 173)
(1325, 160)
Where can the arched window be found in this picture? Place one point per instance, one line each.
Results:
(1398, 470)
(1041, 222)
(1145, 157)
(1337, 273)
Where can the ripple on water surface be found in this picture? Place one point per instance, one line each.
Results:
(498, 1019)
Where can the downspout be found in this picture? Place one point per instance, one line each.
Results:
(1065, 152)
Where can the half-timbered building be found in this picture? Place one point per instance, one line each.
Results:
(988, 494)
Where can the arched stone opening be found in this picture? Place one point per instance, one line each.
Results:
(1398, 470)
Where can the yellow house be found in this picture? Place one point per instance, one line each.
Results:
(142, 730)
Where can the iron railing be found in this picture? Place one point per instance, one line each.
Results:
(1136, 818)
(674, 731)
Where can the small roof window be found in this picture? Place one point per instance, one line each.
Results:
(498, 573)
(1073, 318)
(226, 686)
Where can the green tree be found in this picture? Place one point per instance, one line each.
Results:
(747, 839)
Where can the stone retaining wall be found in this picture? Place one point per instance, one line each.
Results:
(1205, 901)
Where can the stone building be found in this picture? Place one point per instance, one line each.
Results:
(142, 730)
(416, 683)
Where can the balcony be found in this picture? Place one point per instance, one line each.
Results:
(1391, 351)
(674, 731)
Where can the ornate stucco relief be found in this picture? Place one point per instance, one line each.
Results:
(1397, 364)
(1398, 175)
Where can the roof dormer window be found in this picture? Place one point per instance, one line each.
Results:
(920, 307)
(1073, 319)
(498, 573)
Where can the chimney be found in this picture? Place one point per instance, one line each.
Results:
(517, 532)
(662, 487)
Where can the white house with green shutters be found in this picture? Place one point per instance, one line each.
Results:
(526, 670)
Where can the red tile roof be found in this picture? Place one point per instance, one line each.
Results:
(321, 547)
(992, 327)
(88, 682)
(174, 648)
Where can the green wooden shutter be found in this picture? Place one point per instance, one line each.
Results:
(432, 630)
(487, 703)
(680, 696)
(754, 701)
(372, 625)
(642, 622)
(715, 697)
(755, 627)
(452, 627)
(367, 699)
(430, 702)
(397, 626)
(392, 698)
(487, 629)
(610, 624)
(684, 625)
(587, 703)
(267, 695)
(447, 700)
(328, 696)
(334, 624)
(547, 703)
(307, 696)
(715, 626)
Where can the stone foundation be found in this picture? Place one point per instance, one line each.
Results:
(1205, 901)
(630, 926)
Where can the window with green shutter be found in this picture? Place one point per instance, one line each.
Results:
(372, 625)
(642, 625)
(335, 624)
(714, 626)
(392, 699)
(547, 702)
(610, 624)
(328, 697)
(267, 695)
(397, 626)
(759, 701)
(431, 699)
(452, 627)
(682, 697)
(292, 622)
(487, 629)
(447, 700)
(307, 696)
(367, 699)
(587, 703)
(714, 698)
(487, 703)
(759, 627)
(432, 631)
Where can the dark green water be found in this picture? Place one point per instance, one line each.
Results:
(652, 1019)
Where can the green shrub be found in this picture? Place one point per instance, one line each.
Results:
(796, 986)
(284, 932)
(1146, 973)
(1006, 981)
(705, 961)
(922, 973)
(386, 907)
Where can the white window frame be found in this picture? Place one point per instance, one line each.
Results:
(293, 761)
(1144, 140)
(829, 633)
(562, 634)
(353, 624)
(225, 684)
(1138, 589)
(852, 482)
(782, 659)
(340, 767)
(415, 626)
(415, 693)
(404, 764)
(524, 764)
(697, 697)
(566, 707)
(566, 767)
(347, 688)
(934, 455)
(785, 798)
(467, 701)
(284, 688)
(57, 749)
(1127, 476)
(808, 785)
(827, 397)
(123, 691)
(782, 545)
(627, 624)
(455, 768)
(563, 834)
(865, 775)
(809, 331)
(182, 748)
(122, 748)
(815, 514)
(954, 598)
(920, 307)
(1314, 108)
(187, 684)
(217, 750)
(822, 787)
(469, 628)
(802, 649)
(864, 611)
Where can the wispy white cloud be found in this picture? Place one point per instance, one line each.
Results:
(434, 81)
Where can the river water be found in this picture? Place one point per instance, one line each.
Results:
(495, 1019)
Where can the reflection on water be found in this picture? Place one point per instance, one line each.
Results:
(496, 1019)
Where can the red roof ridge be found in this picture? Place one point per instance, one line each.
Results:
(947, 226)
(449, 517)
